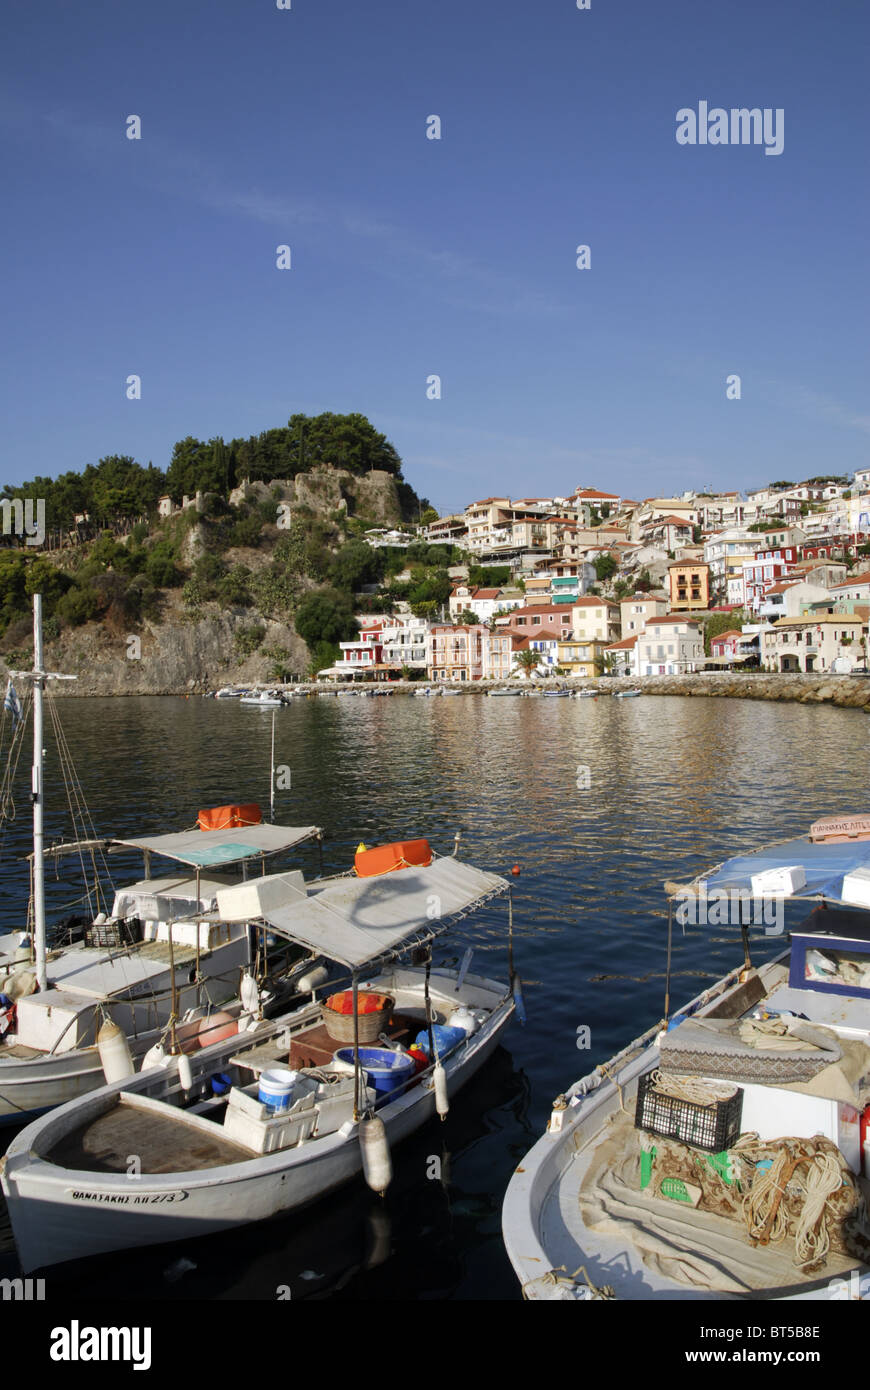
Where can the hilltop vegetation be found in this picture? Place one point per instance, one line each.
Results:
(263, 558)
(118, 487)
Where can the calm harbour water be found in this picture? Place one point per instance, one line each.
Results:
(676, 785)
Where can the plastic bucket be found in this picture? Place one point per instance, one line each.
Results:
(385, 1070)
(276, 1089)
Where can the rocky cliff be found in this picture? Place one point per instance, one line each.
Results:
(182, 654)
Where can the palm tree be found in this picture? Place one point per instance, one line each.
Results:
(528, 661)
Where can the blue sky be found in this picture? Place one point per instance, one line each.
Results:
(456, 257)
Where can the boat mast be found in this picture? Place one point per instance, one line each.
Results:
(36, 793)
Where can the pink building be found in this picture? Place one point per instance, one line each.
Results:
(457, 652)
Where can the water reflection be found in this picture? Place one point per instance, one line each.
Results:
(676, 785)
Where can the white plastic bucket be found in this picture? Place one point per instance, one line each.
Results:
(276, 1089)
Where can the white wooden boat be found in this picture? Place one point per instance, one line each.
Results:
(505, 692)
(208, 1162)
(266, 699)
(163, 950)
(653, 1182)
(586, 694)
(160, 954)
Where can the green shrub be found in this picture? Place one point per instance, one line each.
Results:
(248, 639)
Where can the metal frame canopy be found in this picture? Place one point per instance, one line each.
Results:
(208, 848)
(824, 865)
(355, 920)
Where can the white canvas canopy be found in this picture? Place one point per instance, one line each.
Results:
(209, 848)
(354, 920)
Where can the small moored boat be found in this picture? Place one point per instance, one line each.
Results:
(723, 1154)
(229, 1142)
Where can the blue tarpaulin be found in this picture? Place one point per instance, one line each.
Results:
(825, 866)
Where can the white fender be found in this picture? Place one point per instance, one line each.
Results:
(439, 1077)
(114, 1052)
(376, 1162)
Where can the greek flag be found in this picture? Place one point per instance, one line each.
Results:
(12, 703)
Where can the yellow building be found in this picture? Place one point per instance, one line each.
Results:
(582, 658)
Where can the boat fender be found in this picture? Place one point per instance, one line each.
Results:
(376, 1162)
(463, 1018)
(185, 1071)
(114, 1052)
(439, 1077)
(249, 993)
(307, 983)
(519, 1001)
(154, 1057)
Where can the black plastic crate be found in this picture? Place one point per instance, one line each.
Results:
(711, 1127)
(114, 935)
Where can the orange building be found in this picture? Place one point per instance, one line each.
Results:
(689, 585)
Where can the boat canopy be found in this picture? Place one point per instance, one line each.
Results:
(209, 848)
(355, 920)
(824, 865)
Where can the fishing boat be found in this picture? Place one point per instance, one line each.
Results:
(724, 1154)
(557, 694)
(157, 959)
(626, 694)
(506, 691)
(212, 1152)
(586, 694)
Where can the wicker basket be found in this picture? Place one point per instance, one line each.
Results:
(340, 1026)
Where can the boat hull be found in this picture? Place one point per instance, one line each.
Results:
(59, 1215)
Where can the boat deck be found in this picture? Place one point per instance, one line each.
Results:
(648, 1247)
(313, 1047)
(164, 1142)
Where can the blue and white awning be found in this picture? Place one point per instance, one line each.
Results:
(824, 865)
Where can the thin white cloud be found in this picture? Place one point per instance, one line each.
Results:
(182, 174)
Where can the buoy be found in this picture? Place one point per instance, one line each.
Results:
(216, 1028)
(516, 870)
(185, 1071)
(442, 1104)
(154, 1057)
(114, 1052)
(308, 982)
(376, 1162)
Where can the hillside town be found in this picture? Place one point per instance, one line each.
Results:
(775, 580)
